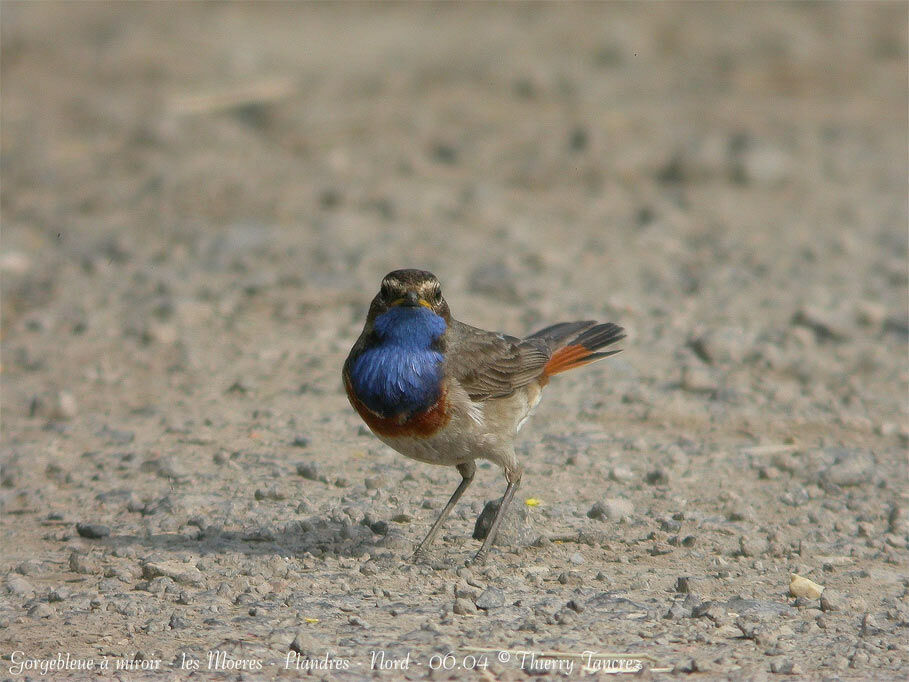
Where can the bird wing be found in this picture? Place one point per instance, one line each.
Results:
(490, 365)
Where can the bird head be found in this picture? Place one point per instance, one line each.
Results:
(410, 288)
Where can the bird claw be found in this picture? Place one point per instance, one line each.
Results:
(478, 560)
(419, 556)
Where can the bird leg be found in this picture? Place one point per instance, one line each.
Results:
(514, 480)
(467, 471)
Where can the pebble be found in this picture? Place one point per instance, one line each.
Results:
(657, 477)
(116, 436)
(826, 325)
(753, 545)
(59, 593)
(179, 572)
(492, 597)
(621, 474)
(65, 406)
(308, 470)
(803, 587)
(464, 607)
(41, 610)
(785, 667)
(19, 586)
(516, 529)
(92, 530)
(613, 509)
(270, 493)
(832, 600)
(685, 584)
(29, 567)
(81, 563)
(851, 467)
(301, 643)
(697, 378)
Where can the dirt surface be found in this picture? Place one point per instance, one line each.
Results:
(198, 203)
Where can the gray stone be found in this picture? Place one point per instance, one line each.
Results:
(516, 529)
(851, 467)
(613, 509)
(753, 545)
(19, 586)
(464, 607)
(308, 470)
(41, 610)
(92, 530)
(491, 598)
(179, 572)
(82, 563)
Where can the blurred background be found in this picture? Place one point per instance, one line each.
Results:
(199, 201)
(186, 186)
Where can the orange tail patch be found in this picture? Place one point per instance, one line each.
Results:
(567, 358)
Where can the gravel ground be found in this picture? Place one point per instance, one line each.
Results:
(198, 204)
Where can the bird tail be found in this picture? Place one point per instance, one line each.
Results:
(577, 343)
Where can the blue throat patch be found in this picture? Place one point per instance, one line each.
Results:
(401, 374)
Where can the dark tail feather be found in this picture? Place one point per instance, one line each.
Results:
(582, 349)
(555, 334)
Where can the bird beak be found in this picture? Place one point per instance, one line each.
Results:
(411, 300)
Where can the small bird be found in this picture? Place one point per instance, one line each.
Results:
(443, 392)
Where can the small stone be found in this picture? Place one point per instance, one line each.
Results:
(670, 526)
(575, 606)
(64, 406)
(826, 326)
(374, 483)
(300, 442)
(492, 597)
(850, 468)
(831, 600)
(803, 587)
(621, 474)
(870, 626)
(177, 571)
(308, 470)
(657, 477)
(19, 586)
(379, 527)
(81, 563)
(464, 607)
(898, 520)
(59, 593)
(116, 436)
(271, 493)
(685, 584)
(697, 378)
(516, 528)
(29, 567)
(41, 610)
(753, 545)
(871, 313)
(565, 617)
(785, 667)
(92, 530)
(301, 643)
(613, 509)
(761, 164)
